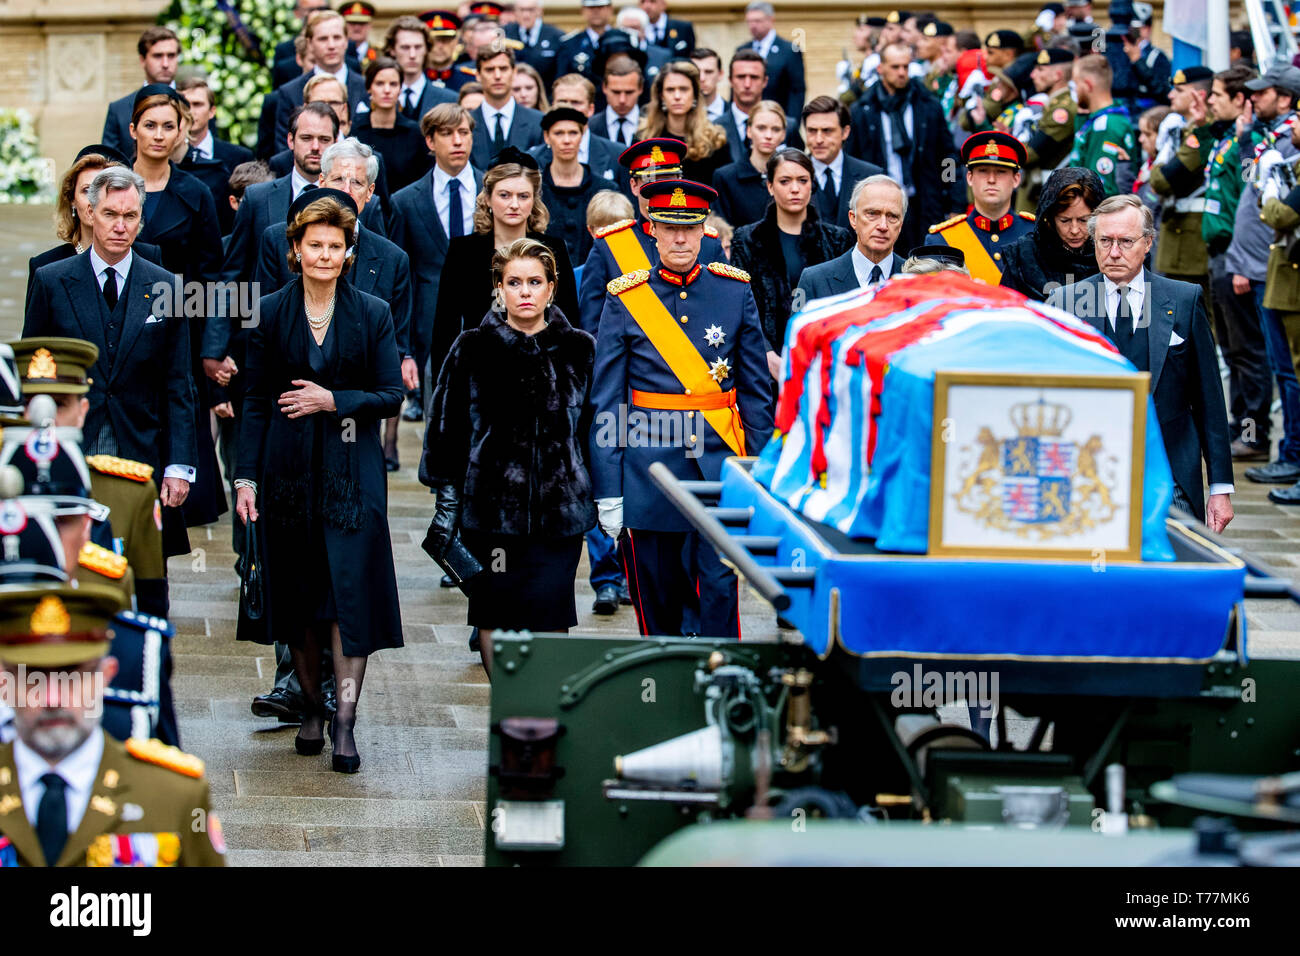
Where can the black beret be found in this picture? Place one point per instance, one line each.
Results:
(1191, 74)
(1053, 55)
(1005, 40)
(563, 114)
(310, 193)
(512, 154)
(156, 89)
(99, 149)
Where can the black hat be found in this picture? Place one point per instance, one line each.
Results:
(1053, 55)
(157, 89)
(937, 28)
(897, 16)
(563, 114)
(1056, 8)
(512, 154)
(1192, 74)
(30, 547)
(99, 149)
(678, 202)
(612, 43)
(865, 21)
(949, 254)
(993, 148)
(311, 192)
(1004, 40)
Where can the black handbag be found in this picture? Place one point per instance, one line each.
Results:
(456, 561)
(251, 578)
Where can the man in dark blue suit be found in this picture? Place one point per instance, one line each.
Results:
(681, 341)
(141, 390)
(407, 41)
(878, 207)
(160, 52)
(578, 48)
(826, 129)
(427, 213)
(541, 40)
(1160, 326)
(327, 40)
(675, 36)
(785, 76)
(500, 121)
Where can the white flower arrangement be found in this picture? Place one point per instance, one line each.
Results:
(25, 175)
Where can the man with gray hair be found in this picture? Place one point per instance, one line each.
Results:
(636, 24)
(1160, 325)
(878, 206)
(785, 74)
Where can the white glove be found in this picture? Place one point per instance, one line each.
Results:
(1272, 189)
(1264, 168)
(609, 512)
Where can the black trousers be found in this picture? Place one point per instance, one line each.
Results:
(671, 571)
(1241, 337)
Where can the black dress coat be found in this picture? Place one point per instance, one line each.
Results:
(463, 303)
(785, 78)
(568, 208)
(1038, 263)
(402, 149)
(756, 248)
(346, 498)
(703, 170)
(215, 174)
(742, 193)
(67, 250)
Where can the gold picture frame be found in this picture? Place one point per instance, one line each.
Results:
(1024, 515)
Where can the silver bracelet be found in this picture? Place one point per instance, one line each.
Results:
(248, 483)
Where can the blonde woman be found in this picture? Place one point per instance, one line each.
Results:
(742, 187)
(508, 208)
(677, 109)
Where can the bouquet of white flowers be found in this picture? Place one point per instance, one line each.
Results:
(25, 176)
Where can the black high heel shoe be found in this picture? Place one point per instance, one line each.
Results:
(342, 763)
(308, 747)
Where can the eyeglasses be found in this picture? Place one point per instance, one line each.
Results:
(873, 215)
(350, 185)
(1126, 243)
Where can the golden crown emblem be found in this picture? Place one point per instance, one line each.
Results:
(1179, 78)
(657, 155)
(1040, 419)
(42, 365)
(1044, 58)
(678, 198)
(991, 149)
(50, 616)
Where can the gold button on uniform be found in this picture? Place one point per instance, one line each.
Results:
(684, 318)
(692, 438)
(688, 391)
(682, 293)
(997, 255)
(995, 237)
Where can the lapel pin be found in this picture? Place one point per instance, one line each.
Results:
(110, 778)
(102, 804)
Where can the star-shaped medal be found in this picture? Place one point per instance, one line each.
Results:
(714, 335)
(719, 370)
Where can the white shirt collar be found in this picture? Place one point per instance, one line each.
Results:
(836, 166)
(465, 177)
(862, 266)
(204, 146)
(740, 116)
(416, 89)
(661, 25)
(612, 118)
(296, 183)
(584, 148)
(1136, 296)
(341, 75)
(122, 268)
(77, 769)
(593, 36)
(765, 44)
(507, 112)
(717, 107)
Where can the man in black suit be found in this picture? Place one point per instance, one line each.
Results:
(578, 48)
(826, 129)
(407, 41)
(675, 36)
(160, 53)
(595, 152)
(500, 121)
(211, 159)
(899, 125)
(747, 76)
(879, 206)
(141, 391)
(622, 84)
(1160, 326)
(541, 40)
(785, 76)
(427, 213)
(327, 41)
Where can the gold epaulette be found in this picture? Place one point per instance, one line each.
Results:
(614, 227)
(628, 280)
(1027, 216)
(468, 70)
(163, 755)
(120, 467)
(513, 44)
(571, 34)
(710, 231)
(102, 561)
(728, 271)
(940, 227)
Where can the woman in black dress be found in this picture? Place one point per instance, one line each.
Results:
(742, 186)
(384, 129)
(322, 373)
(504, 450)
(509, 207)
(568, 185)
(677, 109)
(1059, 251)
(180, 217)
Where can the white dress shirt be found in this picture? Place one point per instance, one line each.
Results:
(416, 88)
(741, 119)
(204, 146)
(632, 120)
(442, 198)
(1137, 292)
(490, 114)
(836, 167)
(862, 266)
(6, 723)
(342, 77)
(77, 769)
(764, 46)
(530, 37)
(297, 182)
(716, 108)
(122, 270)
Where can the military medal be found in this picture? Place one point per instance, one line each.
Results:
(719, 370)
(714, 336)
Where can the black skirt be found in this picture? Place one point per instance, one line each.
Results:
(527, 582)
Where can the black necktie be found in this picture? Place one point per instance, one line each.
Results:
(876, 275)
(406, 100)
(622, 132)
(454, 214)
(52, 818)
(1123, 320)
(828, 191)
(110, 288)
(499, 137)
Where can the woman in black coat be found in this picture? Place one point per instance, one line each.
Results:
(504, 451)
(509, 207)
(788, 239)
(397, 139)
(1059, 251)
(323, 372)
(180, 217)
(743, 195)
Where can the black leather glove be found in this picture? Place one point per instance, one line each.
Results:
(446, 517)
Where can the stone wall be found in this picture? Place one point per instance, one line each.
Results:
(64, 60)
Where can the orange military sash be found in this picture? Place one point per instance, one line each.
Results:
(627, 250)
(682, 358)
(978, 261)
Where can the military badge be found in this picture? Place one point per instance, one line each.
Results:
(42, 365)
(1060, 116)
(9, 803)
(50, 617)
(714, 336)
(215, 834)
(1105, 165)
(13, 519)
(134, 849)
(42, 446)
(719, 369)
(1192, 141)
(132, 812)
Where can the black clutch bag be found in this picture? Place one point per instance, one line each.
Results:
(456, 561)
(251, 577)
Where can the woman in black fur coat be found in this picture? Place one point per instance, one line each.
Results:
(504, 450)
(1059, 251)
(788, 239)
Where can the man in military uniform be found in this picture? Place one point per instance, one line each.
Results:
(683, 343)
(1001, 47)
(1106, 141)
(578, 48)
(1180, 182)
(993, 161)
(357, 14)
(71, 795)
(57, 367)
(1049, 143)
(440, 68)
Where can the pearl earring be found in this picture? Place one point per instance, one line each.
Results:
(298, 256)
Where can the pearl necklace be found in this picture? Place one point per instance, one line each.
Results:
(324, 319)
